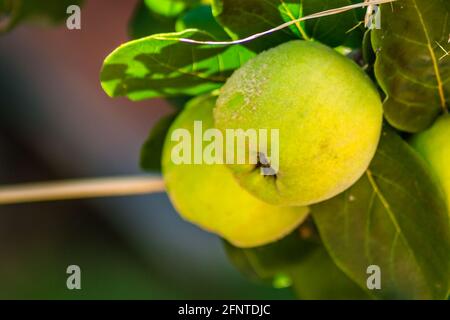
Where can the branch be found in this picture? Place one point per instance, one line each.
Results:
(80, 189)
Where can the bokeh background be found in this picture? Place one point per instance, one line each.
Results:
(56, 123)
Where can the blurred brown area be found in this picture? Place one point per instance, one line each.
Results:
(55, 123)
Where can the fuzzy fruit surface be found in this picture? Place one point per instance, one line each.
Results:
(328, 113)
(434, 146)
(210, 197)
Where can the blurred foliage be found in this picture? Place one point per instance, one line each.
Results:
(14, 12)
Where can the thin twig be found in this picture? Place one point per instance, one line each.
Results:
(80, 189)
(285, 25)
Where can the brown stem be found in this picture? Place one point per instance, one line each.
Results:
(80, 189)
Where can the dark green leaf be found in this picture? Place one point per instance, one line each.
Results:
(13, 12)
(367, 51)
(318, 278)
(334, 30)
(158, 16)
(161, 65)
(146, 22)
(298, 261)
(244, 18)
(178, 102)
(416, 82)
(151, 151)
(201, 18)
(368, 56)
(394, 217)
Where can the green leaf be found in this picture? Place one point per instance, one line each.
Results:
(408, 69)
(151, 151)
(13, 12)
(159, 16)
(297, 261)
(367, 50)
(170, 8)
(394, 217)
(267, 262)
(146, 22)
(244, 18)
(161, 65)
(318, 278)
(201, 18)
(334, 30)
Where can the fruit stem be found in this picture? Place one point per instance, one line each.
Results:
(80, 189)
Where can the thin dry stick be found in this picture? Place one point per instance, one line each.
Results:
(284, 25)
(79, 189)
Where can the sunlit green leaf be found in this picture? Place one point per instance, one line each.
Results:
(169, 8)
(161, 65)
